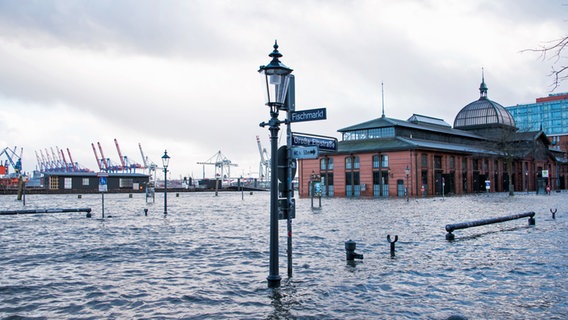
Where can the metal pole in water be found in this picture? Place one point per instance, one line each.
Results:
(464, 225)
(103, 204)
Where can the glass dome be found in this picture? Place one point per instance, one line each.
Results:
(483, 113)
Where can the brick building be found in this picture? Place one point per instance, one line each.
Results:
(425, 156)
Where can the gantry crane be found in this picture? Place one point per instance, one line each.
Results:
(14, 159)
(220, 162)
(264, 165)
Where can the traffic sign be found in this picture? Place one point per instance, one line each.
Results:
(324, 143)
(311, 152)
(308, 115)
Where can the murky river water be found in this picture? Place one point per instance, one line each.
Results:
(209, 259)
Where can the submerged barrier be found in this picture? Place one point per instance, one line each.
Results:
(56, 210)
(464, 225)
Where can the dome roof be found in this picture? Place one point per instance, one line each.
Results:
(483, 113)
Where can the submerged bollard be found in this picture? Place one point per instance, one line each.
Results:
(553, 213)
(392, 243)
(350, 254)
(146, 211)
(464, 225)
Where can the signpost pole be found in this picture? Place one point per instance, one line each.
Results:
(289, 187)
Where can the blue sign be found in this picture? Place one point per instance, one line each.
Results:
(103, 187)
(322, 143)
(308, 115)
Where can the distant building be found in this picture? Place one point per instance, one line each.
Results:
(549, 114)
(77, 182)
(425, 156)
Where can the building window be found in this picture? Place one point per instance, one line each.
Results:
(475, 164)
(125, 183)
(326, 164)
(384, 160)
(85, 181)
(452, 163)
(464, 164)
(67, 183)
(53, 182)
(424, 160)
(438, 162)
(364, 134)
(376, 162)
(352, 163)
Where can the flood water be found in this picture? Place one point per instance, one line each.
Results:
(208, 259)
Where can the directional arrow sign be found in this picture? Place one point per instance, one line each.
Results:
(307, 140)
(311, 152)
(308, 115)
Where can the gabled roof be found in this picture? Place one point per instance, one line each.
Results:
(399, 143)
(383, 122)
(418, 118)
(531, 136)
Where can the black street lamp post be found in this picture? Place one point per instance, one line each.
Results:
(276, 79)
(407, 174)
(165, 162)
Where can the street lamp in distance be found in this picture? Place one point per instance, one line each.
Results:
(165, 163)
(407, 170)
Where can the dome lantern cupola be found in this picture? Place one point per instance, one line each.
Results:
(484, 114)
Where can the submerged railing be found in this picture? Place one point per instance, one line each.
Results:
(464, 225)
(55, 210)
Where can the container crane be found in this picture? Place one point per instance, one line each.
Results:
(104, 160)
(120, 154)
(264, 165)
(220, 162)
(71, 159)
(39, 162)
(99, 161)
(11, 155)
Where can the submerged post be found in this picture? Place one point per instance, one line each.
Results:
(464, 225)
(392, 242)
(350, 254)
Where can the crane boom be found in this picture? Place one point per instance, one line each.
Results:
(71, 159)
(103, 156)
(63, 158)
(142, 154)
(120, 154)
(97, 157)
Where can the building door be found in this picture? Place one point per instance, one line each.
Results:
(438, 181)
(400, 188)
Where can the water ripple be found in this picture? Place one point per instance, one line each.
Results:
(209, 259)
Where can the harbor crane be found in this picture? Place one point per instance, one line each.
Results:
(220, 162)
(126, 163)
(14, 159)
(264, 165)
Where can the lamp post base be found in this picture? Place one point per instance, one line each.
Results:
(274, 281)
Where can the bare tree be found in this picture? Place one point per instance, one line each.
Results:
(554, 51)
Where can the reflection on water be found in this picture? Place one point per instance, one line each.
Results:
(209, 259)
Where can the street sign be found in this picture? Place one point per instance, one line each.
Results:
(311, 152)
(308, 115)
(103, 185)
(324, 143)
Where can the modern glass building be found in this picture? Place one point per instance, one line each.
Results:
(549, 114)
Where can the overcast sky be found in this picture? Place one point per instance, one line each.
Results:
(182, 75)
